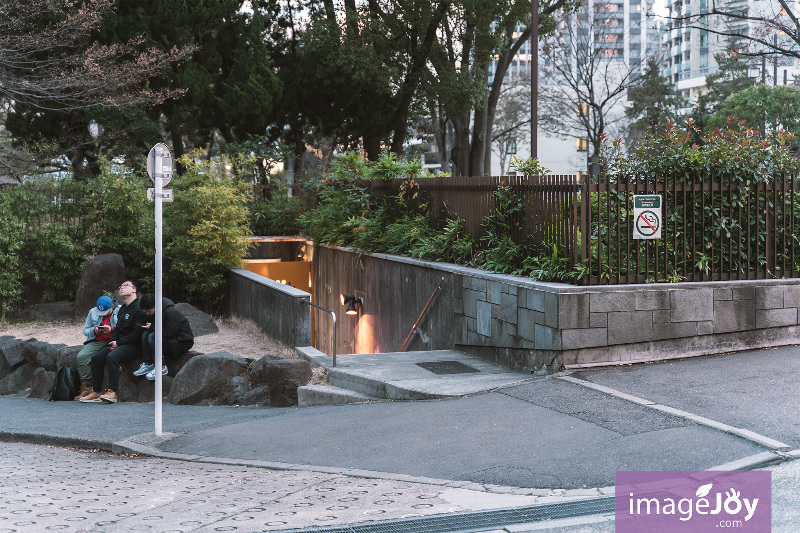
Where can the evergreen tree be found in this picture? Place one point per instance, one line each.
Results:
(653, 102)
(731, 77)
(769, 110)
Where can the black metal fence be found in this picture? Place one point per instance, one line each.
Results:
(712, 229)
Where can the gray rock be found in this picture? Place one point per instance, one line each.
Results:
(31, 349)
(42, 383)
(46, 361)
(204, 376)
(5, 368)
(19, 380)
(147, 389)
(12, 352)
(174, 365)
(232, 392)
(258, 396)
(104, 273)
(67, 356)
(49, 312)
(282, 376)
(201, 323)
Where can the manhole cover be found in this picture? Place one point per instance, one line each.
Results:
(448, 367)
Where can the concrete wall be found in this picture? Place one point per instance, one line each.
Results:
(278, 309)
(394, 290)
(536, 326)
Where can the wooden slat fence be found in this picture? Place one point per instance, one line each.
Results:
(550, 206)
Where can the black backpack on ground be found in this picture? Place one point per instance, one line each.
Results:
(67, 384)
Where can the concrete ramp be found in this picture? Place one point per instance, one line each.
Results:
(412, 375)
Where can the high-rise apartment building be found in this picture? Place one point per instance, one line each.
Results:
(694, 37)
(622, 32)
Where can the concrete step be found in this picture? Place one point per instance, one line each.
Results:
(399, 376)
(378, 387)
(321, 394)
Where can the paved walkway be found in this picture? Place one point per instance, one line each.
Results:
(542, 441)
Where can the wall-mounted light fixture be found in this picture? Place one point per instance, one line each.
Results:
(351, 302)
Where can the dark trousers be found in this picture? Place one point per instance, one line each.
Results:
(113, 359)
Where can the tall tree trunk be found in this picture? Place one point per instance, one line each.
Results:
(478, 145)
(441, 137)
(418, 62)
(372, 145)
(460, 153)
(497, 85)
(177, 150)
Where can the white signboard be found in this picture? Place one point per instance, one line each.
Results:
(159, 163)
(647, 216)
(166, 195)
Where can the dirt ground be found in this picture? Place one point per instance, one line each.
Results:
(239, 337)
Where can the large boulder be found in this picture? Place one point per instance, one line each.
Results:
(68, 356)
(233, 391)
(50, 312)
(12, 352)
(19, 380)
(41, 354)
(175, 365)
(201, 323)
(141, 389)
(258, 396)
(41, 384)
(205, 376)
(282, 376)
(103, 274)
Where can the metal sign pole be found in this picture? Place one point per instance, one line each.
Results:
(157, 174)
(159, 167)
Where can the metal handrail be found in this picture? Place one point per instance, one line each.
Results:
(414, 327)
(333, 316)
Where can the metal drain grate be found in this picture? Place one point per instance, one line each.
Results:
(474, 520)
(448, 367)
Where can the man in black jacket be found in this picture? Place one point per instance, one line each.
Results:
(176, 340)
(125, 345)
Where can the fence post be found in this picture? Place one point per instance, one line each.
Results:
(585, 228)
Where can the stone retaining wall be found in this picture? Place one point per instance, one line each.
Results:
(536, 326)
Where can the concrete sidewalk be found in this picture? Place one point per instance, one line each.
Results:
(547, 439)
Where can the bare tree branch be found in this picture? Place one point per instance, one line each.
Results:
(49, 61)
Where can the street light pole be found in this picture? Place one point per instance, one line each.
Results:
(534, 78)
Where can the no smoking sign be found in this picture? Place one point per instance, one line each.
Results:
(647, 216)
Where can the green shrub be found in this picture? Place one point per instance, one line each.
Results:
(280, 215)
(206, 231)
(12, 231)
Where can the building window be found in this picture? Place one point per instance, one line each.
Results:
(511, 146)
(581, 144)
(582, 109)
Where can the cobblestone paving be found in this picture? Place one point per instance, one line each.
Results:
(45, 488)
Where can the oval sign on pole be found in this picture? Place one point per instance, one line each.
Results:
(160, 153)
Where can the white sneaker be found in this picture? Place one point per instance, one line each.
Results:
(152, 374)
(143, 369)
